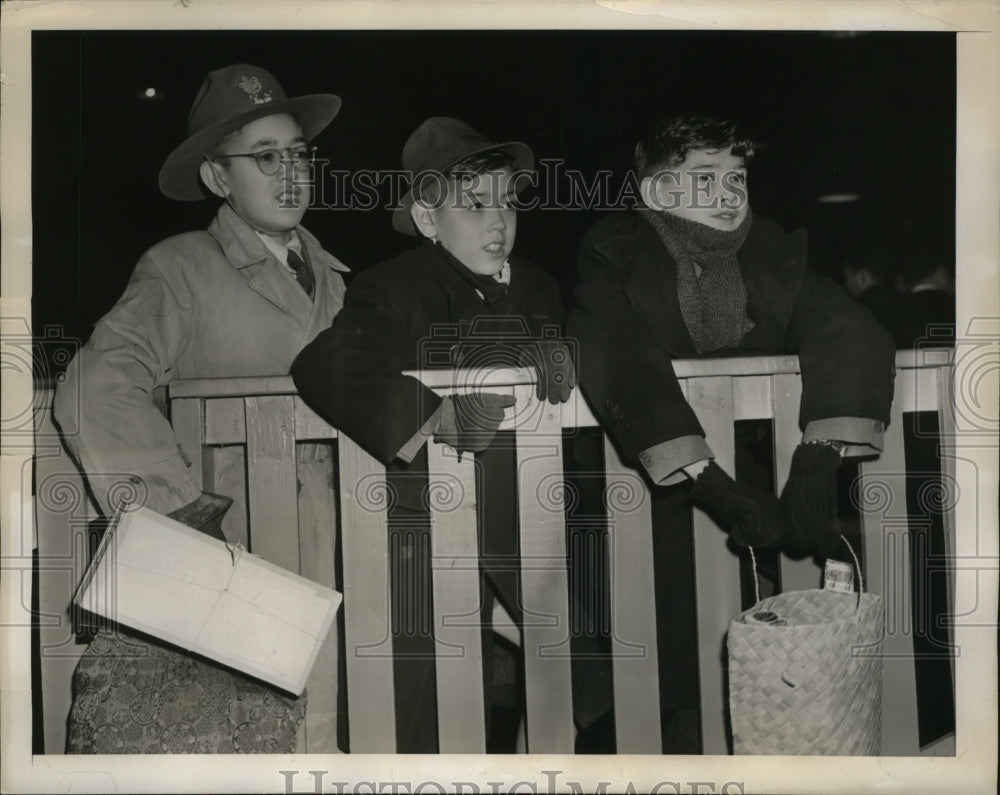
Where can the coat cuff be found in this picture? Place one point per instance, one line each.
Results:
(861, 436)
(664, 462)
(419, 439)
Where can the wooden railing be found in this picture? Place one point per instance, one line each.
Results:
(269, 418)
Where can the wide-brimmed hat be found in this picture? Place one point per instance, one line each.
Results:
(229, 98)
(441, 142)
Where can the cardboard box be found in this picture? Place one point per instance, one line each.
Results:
(163, 578)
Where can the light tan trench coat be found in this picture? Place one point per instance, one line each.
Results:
(209, 304)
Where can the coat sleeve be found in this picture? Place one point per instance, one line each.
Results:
(351, 374)
(847, 358)
(626, 370)
(105, 405)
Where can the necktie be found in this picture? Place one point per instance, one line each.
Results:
(303, 273)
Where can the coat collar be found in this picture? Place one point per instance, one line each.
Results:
(651, 283)
(244, 248)
(771, 262)
(247, 253)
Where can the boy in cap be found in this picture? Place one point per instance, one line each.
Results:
(693, 274)
(496, 310)
(240, 299)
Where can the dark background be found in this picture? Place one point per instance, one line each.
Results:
(866, 113)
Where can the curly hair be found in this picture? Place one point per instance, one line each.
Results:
(674, 137)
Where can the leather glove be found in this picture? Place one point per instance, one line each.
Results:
(469, 422)
(204, 514)
(554, 365)
(753, 518)
(810, 499)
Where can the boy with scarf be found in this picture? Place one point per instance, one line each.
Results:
(693, 273)
(499, 311)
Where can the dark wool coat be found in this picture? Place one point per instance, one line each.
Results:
(418, 311)
(629, 328)
(414, 311)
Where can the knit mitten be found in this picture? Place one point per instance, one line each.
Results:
(753, 518)
(810, 499)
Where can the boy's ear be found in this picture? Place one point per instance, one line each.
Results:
(647, 190)
(214, 179)
(423, 218)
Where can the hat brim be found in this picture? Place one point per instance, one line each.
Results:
(179, 178)
(520, 153)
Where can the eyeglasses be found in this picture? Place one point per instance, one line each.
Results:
(269, 160)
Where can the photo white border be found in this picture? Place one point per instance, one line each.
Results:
(972, 769)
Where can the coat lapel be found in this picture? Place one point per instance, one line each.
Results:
(772, 270)
(651, 287)
(264, 274)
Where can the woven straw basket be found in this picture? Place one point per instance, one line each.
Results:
(812, 686)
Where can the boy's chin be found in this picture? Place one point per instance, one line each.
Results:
(722, 223)
(486, 269)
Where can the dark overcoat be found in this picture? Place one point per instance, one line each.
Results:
(629, 329)
(415, 311)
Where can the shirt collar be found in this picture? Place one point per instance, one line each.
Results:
(281, 251)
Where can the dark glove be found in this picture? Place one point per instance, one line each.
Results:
(554, 365)
(753, 518)
(204, 514)
(469, 422)
(810, 499)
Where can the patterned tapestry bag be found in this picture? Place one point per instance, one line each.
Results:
(805, 670)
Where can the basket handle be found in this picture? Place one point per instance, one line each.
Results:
(857, 566)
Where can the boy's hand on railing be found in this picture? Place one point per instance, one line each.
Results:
(753, 518)
(554, 365)
(469, 422)
(810, 499)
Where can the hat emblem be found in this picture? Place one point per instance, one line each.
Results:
(253, 88)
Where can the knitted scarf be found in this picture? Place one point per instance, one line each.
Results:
(713, 301)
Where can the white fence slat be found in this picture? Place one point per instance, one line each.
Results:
(62, 510)
(457, 618)
(752, 397)
(186, 418)
(225, 421)
(544, 582)
(796, 574)
(887, 555)
(635, 667)
(717, 581)
(271, 480)
(367, 635)
(309, 425)
(949, 475)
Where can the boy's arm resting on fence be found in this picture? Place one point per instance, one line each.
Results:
(351, 374)
(854, 436)
(671, 462)
(105, 405)
(848, 365)
(625, 367)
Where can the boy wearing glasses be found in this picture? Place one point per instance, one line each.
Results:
(240, 299)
